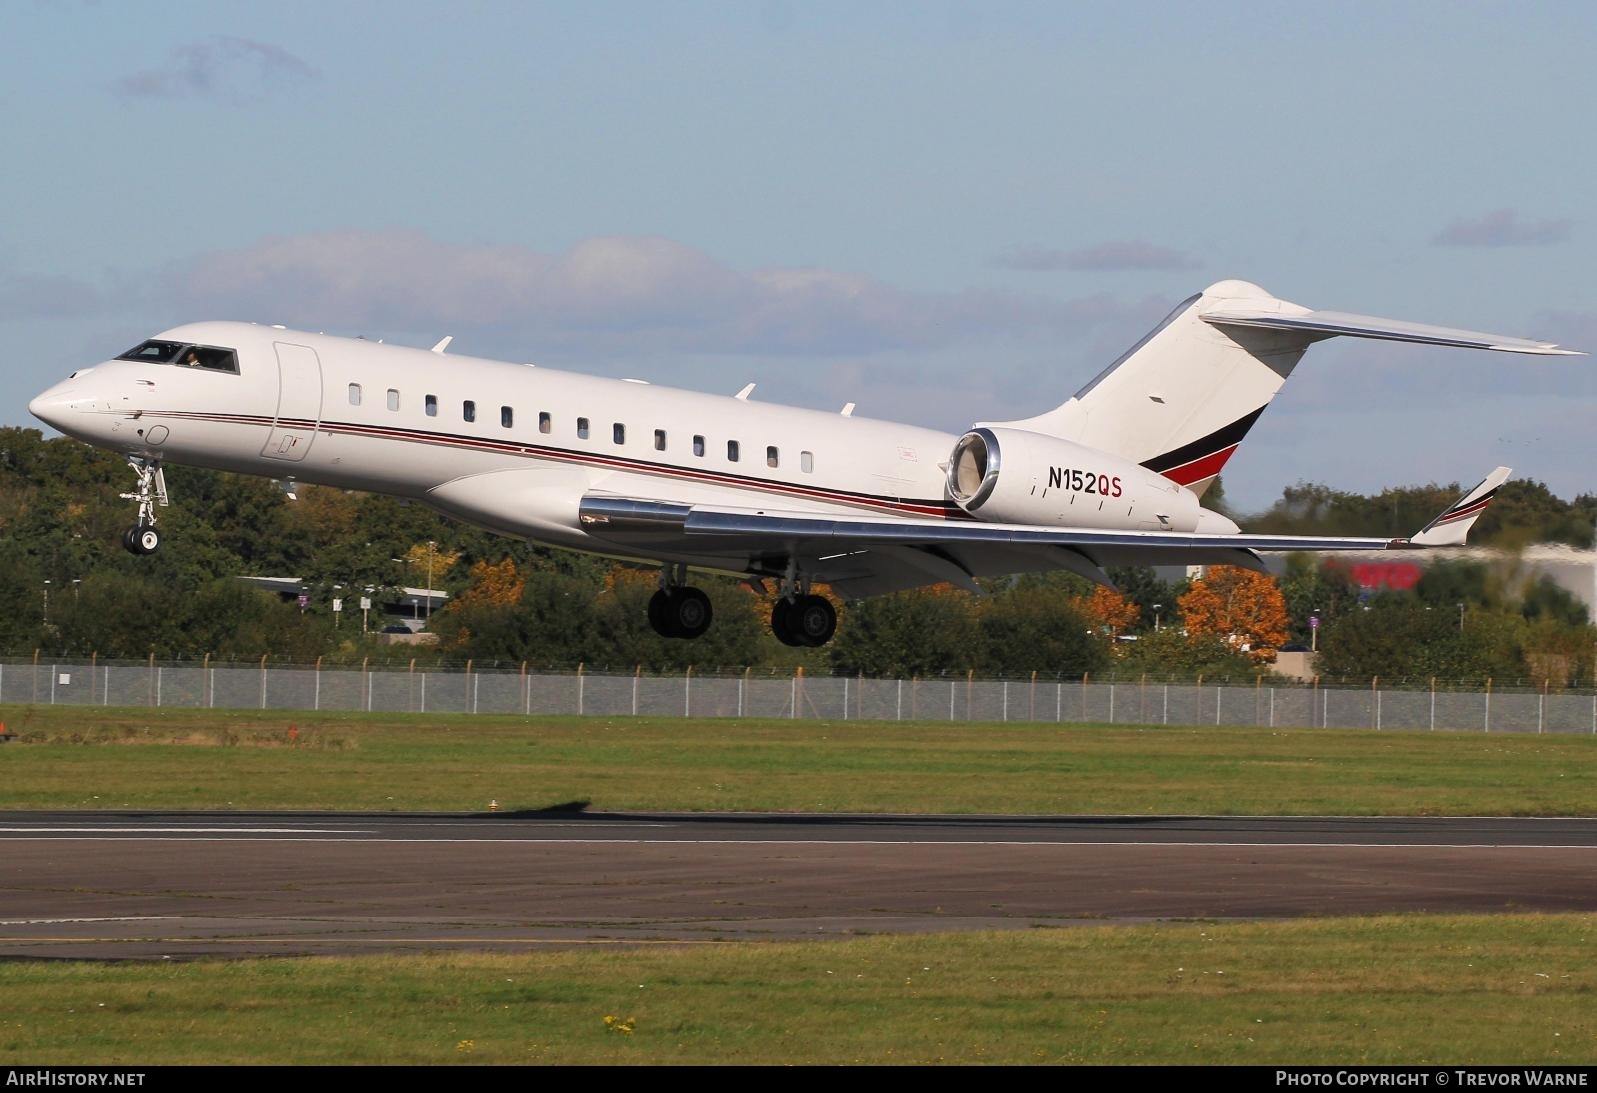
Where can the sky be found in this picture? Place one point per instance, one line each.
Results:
(945, 212)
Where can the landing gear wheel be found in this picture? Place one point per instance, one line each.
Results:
(782, 623)
(679, 613)
(146, 539)
(128, 543)
(689, 612)
(813, 620)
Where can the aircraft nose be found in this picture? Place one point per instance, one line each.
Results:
(51, 407)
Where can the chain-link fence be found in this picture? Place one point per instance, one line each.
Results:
(764, 694)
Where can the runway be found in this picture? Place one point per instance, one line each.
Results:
(181, 885)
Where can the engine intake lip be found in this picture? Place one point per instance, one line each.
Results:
(977, 453)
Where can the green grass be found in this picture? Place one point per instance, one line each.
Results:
(198, 759)
(1451, 990)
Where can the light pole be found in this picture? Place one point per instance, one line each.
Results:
(1460, 618)
(47, 603)
(1156, 609)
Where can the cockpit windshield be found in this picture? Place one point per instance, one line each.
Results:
(209, 357)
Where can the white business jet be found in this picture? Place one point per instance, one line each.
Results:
(1113, 476)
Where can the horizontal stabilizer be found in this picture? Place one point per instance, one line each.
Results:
(1450, 528)
(1330, 324)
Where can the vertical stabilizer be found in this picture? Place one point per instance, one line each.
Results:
(1181, 400)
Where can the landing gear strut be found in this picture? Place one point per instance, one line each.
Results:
(142, 538)
(678, 610)
(801, 618)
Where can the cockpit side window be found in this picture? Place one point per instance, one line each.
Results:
(209, 357)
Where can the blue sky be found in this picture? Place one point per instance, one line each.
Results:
(942, 211)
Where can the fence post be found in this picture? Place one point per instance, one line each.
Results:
(1433, 703)
(914, 696)
(207, 682)
(580, 683)
(34, 675)
(316, 700)
(637, 674)
(263, 676)
(1541, 702)
(898, 714)
(1488, 704)
(526, 691)
(798, 691)
(687, 693)
(150, 680)
(1005, 707)
(94, 658)
(1314, 708)
(1084, 677)
(471, 678)
(1375, 688)
(970, 682)
(1032, 715)
(845, 698)
(365, 684)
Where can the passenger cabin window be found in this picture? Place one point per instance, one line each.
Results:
(209, 357)
(468, 410)
(354, 394)
(698, 445)
(772, 456)
(807, 462)
(432, 405)
(731, 451)
(659, 440)
(544, 422)
(618, 433)
(582, 428)
(507, 416)
(393, 399)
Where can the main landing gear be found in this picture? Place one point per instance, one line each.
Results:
(678, 610)
(800, 617)
(142, 537)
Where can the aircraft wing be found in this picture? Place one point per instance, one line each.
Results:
(874, 554)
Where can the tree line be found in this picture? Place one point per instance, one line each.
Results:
(71, 590)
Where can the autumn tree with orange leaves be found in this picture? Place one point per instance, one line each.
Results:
(1237, 606)
(1107, 610)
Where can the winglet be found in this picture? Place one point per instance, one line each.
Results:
(1450, 528)
(444, 344)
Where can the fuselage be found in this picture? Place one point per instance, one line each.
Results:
(514, 447)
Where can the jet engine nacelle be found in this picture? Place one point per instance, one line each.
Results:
(1014, 476)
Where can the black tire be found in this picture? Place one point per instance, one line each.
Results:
(813, 620)
(782, 623)
(146, 540)
(660, 614)
(129, 544)
(689, 612)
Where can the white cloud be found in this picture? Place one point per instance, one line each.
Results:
(226, 69)
(609, 294)
(1501, 228)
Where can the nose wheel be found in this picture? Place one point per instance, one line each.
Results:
(142, 538)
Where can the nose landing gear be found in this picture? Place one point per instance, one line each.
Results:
(142, 537)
